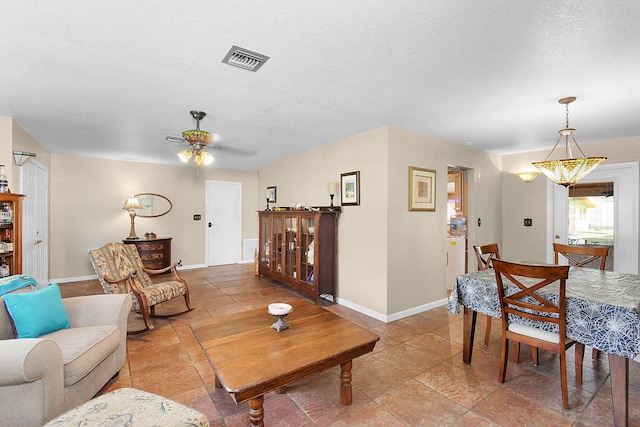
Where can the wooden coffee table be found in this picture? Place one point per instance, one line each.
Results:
(251, 359)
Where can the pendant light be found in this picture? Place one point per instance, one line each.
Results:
(569, 170)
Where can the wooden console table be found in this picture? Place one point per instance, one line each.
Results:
(154, 253)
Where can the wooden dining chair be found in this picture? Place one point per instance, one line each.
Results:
(485, 255)
(585, 255)
(528, 315)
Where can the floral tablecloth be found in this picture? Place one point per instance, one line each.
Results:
(603, 307)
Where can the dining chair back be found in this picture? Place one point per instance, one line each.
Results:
(485, 255)
(535, 315)
(587, 254)
(581, 256)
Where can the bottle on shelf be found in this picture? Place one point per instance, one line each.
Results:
(4, 184)
(6, 214)
(4, 269)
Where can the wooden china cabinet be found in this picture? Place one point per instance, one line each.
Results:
(11, 234)
(299, 248)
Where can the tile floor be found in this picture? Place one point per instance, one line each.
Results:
(414, 377)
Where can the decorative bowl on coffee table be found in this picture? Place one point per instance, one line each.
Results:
(280, 310)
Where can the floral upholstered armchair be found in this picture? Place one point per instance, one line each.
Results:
(120, 271)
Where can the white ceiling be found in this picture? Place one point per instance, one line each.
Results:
(111, 79)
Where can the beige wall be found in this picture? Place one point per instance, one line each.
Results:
(13, 137)
(390, 261)
(87, 196)
(529, 199)
(6, 144)
(362, 230)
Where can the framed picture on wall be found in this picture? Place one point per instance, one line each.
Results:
(422, 189)
(271, 194)
(350, 188)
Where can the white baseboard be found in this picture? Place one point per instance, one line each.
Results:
(395, 316)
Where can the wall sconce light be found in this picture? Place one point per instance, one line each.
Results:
(527, 176)
(131, 205)
(22, 157)
(333, 188)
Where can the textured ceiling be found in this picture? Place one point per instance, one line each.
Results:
(111, 79)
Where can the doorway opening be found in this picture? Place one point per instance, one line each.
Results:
(592, 218)
(457, 214)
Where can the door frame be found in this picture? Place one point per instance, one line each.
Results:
(625, 178)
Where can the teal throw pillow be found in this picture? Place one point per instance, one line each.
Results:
(37, 313)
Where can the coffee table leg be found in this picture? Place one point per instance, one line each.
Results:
(345, 388)
(256, 411)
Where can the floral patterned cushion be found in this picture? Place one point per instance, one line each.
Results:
(117, 260)
(131, 407)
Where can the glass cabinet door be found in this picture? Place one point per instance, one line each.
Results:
(291, 246)
(276, 244)
(307, 249)
(265, 236)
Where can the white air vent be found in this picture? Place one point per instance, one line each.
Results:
(250, 248)
(243, 58)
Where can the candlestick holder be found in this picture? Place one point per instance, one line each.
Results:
(333, 188)
(267, 205)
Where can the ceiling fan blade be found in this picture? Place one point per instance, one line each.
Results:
(233, 150)
(175, 139)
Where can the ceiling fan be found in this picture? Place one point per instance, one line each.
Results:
(198, 139)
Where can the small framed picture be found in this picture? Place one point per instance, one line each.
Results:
(350, 189)
(422, 189)
(270, 194)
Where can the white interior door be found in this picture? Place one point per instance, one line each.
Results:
(35, 231)
(223, 221)
(625, 188)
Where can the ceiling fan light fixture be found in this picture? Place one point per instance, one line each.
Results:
(203, 158)
(570, 170)
(185, 155)
(197, 136)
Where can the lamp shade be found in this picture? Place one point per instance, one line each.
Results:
(203, 158)
(185, 155)
(568, 171)
(132, 203)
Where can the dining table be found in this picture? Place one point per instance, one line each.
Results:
(603, 312)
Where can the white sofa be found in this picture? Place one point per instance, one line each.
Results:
(42, 377)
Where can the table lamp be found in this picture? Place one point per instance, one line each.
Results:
(131, 205)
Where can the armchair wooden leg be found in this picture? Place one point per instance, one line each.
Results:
(144, 310)
(594, 354)
(516, 352)
(534, 355)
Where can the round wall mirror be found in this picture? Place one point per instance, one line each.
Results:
(153, 205)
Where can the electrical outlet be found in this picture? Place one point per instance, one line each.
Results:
(528, 222)
(197, 217)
